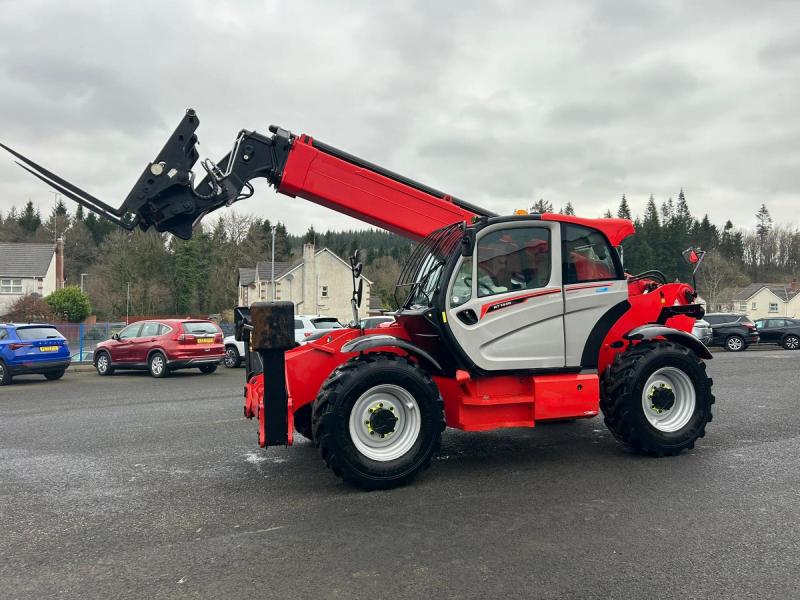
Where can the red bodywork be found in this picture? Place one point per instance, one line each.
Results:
(471, 403)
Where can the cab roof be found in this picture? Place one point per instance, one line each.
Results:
(616, 230)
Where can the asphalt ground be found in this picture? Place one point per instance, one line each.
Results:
(131, 487)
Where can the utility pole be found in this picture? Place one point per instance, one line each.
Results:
(82, 276)
(128, 304)
(273, 262)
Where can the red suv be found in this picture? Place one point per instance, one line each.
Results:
(161, 347)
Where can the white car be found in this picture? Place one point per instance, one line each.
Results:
(304, 326)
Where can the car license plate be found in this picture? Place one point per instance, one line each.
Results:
(205, 340)
(48, 348)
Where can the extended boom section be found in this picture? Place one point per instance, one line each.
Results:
(167, 197)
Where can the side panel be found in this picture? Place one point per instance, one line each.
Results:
(584, 305)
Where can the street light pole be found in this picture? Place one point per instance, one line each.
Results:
(82, 276)
(273, 262)
(128, 304)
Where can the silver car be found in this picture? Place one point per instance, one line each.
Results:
(702, 331)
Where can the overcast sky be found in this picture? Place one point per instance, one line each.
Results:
(497, 103)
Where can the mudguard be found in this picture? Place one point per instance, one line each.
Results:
(652, 331)
(368, 342)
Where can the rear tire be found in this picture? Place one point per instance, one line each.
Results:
(53, 375)
(103, 364)
(656, 398)
(207, 369)
(791, 342)
(232, 359)
(365, 402)
(735, 343)
(157, 364)
(5, 374)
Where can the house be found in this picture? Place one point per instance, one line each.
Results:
(29, 269)
(319, 283)
(761, 300)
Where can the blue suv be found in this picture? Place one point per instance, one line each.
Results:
(32, 349)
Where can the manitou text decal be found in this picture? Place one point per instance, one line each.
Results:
(487, 308)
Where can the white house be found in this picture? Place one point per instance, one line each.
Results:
(762, 300)
(29, 269)
(319, 283)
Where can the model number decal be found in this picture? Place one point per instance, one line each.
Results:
(487, 308)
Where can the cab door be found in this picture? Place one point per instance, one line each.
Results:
(505, 303)
(595, 292)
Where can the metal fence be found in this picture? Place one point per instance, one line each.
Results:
(83, 338)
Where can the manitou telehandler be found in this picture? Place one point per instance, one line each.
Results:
(503, 321)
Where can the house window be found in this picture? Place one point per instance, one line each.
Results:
(753, 306)
(324, 291)
(773, 307)
(742, 305)
(10, 286)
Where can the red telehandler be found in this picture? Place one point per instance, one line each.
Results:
(503, 321)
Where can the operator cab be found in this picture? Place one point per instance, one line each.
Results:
(513, 294)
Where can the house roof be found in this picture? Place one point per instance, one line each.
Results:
(25, 260)
(783, 291)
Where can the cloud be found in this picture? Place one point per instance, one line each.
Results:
(499, 103)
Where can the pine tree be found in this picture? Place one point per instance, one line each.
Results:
(608, 215)
(568, 210)
(624, 211)
(542, 206)
(30, 219)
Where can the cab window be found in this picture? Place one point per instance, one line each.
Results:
(462, 284)
(587, 256)
(513, 259)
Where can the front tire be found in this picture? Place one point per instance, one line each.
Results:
(53, 375)
(378, 421)
(158, 365)
(103, 364)
(735, 343)
(656, 398)
(232, 358)
(791, 342)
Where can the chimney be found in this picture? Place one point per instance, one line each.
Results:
(59, 263)
(309, 280)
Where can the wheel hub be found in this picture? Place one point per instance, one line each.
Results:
(662, 398)
(382, 420)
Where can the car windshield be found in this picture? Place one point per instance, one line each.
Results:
(199, 327)
(38, 333)
(326, 323)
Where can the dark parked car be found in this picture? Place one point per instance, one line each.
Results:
(32, 349)
(785, 332)
(731, 331)
(161, 347)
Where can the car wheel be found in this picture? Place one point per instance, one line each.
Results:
(232, 358)
(53, 375)
(103, 364)
(5, 374)
(206, 369)
(791, 342)
(158, 365)
(735, 343)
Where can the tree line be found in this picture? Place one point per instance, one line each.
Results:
(172, 276)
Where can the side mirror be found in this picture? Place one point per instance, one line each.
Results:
(360, 291)
(354, 259)
(690, 256)
(357, 270)
(115, 337)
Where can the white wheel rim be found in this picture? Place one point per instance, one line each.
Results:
(735, 344)
(2, 371)
(102, 363)
(792, 342)
(676, 416)
(157, 364)
(401, 405)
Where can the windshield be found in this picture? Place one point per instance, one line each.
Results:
(326, 324)
(199, 327)
(419, 279)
